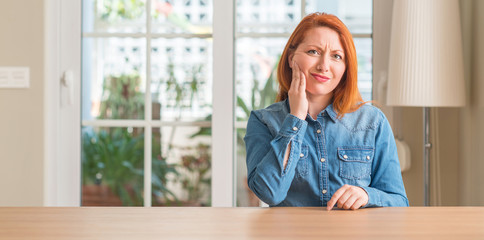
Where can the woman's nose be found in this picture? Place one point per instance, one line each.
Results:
(323, 64)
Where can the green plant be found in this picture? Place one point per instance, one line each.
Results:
(115, 156)
(196, 163)
(260, 98)
(122, 98)
(183, 92)
(113, 10)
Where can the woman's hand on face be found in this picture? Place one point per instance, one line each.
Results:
(348, 197)
(297, 93)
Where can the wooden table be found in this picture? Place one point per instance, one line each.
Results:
(433, 223)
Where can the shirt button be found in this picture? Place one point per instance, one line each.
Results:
(368, 157)
(301, 155)
(324, 191)
(345, 156)
(319, 131)
(294, 128)
(322, 159)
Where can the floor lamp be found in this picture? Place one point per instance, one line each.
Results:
(426, 66)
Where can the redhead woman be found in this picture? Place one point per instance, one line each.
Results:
(320, 144)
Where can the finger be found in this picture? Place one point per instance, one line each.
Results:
(302, 80)
(334, 199)
(349, 202)
(358, 204)
(344, 198)
(295, 76)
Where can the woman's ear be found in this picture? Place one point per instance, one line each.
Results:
(290, 58)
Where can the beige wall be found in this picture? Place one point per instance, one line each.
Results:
(445, 146)
(472, 116)
(21, 110)
(411, 127)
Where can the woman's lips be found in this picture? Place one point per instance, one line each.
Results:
(320, 78)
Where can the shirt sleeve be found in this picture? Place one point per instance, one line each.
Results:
(386, 188)
(267, 177)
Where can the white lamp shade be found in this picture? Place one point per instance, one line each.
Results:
(426, 66)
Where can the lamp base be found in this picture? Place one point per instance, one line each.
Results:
(426, 157)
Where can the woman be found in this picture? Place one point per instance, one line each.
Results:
(320, 144)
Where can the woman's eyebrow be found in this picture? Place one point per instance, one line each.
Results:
(318, 46)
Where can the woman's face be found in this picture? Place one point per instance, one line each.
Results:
(321, 58)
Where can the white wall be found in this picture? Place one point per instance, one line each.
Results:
(21, 110)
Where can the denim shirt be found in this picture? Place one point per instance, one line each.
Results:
(326, 153)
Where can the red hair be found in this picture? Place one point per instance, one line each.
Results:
(346, 96)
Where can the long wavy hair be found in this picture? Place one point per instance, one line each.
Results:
(346, 96)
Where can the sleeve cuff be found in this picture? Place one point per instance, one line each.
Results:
(293, 127)
(373, 197)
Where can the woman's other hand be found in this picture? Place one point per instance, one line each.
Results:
(348, 197)
(297, 93)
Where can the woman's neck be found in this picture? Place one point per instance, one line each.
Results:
(318, 103)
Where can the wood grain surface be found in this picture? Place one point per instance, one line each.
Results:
(240, 223)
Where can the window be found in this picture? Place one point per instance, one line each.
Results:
(146, 97)
(147, 80)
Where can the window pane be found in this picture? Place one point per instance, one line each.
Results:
(112, 166)
(187, 16)
(181, 166)
(263, 16)
(113, 78)
(181, 79)
(256, 81)
(121, 16)
(355, 14)
(365, 79)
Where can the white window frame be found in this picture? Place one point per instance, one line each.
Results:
(223, 131)
(62, 181)
(62, 154)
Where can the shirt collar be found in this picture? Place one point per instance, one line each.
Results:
(329, 110)
(331, 113)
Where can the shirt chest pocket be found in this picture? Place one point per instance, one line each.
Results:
(355, 162)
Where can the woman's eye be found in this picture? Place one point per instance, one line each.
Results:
(313, 52)
(337, 56)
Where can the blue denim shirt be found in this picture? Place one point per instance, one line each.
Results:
(326, 153)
